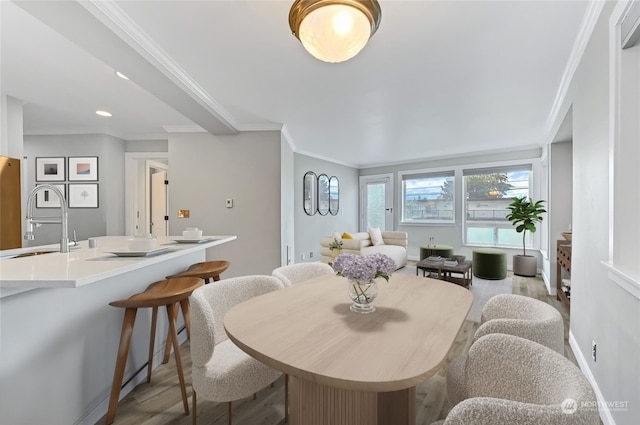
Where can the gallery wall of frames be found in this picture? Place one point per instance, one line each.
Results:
(321, 194)
(75, 176)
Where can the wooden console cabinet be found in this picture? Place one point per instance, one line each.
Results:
(564, 263)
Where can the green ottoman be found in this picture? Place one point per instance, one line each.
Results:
(489, 263)
(445, 251)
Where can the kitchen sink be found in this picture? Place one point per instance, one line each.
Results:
(31, 254)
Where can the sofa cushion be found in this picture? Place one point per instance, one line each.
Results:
(397, 253)
(376, 236)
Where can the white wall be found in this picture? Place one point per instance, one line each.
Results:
(206, 170)
(287, 219)
(11, 127)
(560, 201)
(601, 310)
(309, 229)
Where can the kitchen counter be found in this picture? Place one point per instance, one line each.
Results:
(59, 336)
(83, 265)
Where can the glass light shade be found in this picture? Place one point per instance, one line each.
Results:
(335, 33)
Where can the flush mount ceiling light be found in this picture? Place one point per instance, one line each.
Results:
(103, 113)
(334, 30)
(121, 75)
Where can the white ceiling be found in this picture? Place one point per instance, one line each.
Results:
(438, 78)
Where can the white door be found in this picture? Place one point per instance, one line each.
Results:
(138, 188)
(376, 202)
(158, 222)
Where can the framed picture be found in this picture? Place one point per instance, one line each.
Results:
(83, 195)
(47, 199)
(83, 168)
(50, 169)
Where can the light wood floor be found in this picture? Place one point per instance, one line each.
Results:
(159, 402)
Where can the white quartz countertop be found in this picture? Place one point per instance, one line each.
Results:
(83, 265)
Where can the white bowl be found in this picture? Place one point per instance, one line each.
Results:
(142, 243)
(192, 234)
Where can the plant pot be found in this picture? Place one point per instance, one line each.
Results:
(525, 265)
(335, 252)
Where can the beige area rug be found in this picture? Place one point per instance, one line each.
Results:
(481, 289)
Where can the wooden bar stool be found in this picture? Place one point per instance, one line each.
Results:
(166, 293)
(208, 271)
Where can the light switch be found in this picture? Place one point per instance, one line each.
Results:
(229, 203)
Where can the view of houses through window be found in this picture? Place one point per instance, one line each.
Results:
(488, 193)
(430, 198)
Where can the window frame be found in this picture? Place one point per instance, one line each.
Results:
(428, 172)
(534, 191)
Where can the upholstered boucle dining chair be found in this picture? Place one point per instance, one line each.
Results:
(296, 273)
(525, 317)
(511, 380)
(221, 371)
(516, 315)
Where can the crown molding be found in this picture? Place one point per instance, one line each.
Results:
(94, 132)
(453, 156)
(325, 158)
(589, 20)
(264, 126)
(288, 138)
(183, 129)
(73, 131)
(148, 136)
(110, 14)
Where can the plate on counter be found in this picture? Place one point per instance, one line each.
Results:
(145, 253)
(202, 240)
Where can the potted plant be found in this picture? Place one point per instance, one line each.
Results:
(336, 247)
(525, 213)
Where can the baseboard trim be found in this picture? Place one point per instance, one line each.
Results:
(605, 414)
(95, 414)
(547, 282)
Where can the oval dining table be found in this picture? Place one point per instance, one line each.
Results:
(348, 368)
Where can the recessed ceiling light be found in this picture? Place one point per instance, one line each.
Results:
(103, 113)
(121, 75)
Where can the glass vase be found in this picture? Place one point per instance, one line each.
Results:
(362, 294)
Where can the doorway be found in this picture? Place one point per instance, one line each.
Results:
(157, 213)
(139, 169)
(376, 202)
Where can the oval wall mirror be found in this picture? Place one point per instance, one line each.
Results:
(323, 194)
(309, 186)
(334, 195)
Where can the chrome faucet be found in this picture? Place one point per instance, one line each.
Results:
(38, 221)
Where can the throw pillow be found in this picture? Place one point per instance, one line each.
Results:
(336, 235)
(345, 235)
(376, 236)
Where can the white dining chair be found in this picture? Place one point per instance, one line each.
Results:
(222, 372)
(516, 315)
(296, 273)
(512, 380)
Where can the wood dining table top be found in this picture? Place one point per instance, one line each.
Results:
(307, 331)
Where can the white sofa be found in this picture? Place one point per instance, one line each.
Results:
(395, 246)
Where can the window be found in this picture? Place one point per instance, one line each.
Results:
(488, 192)
(428, 197)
